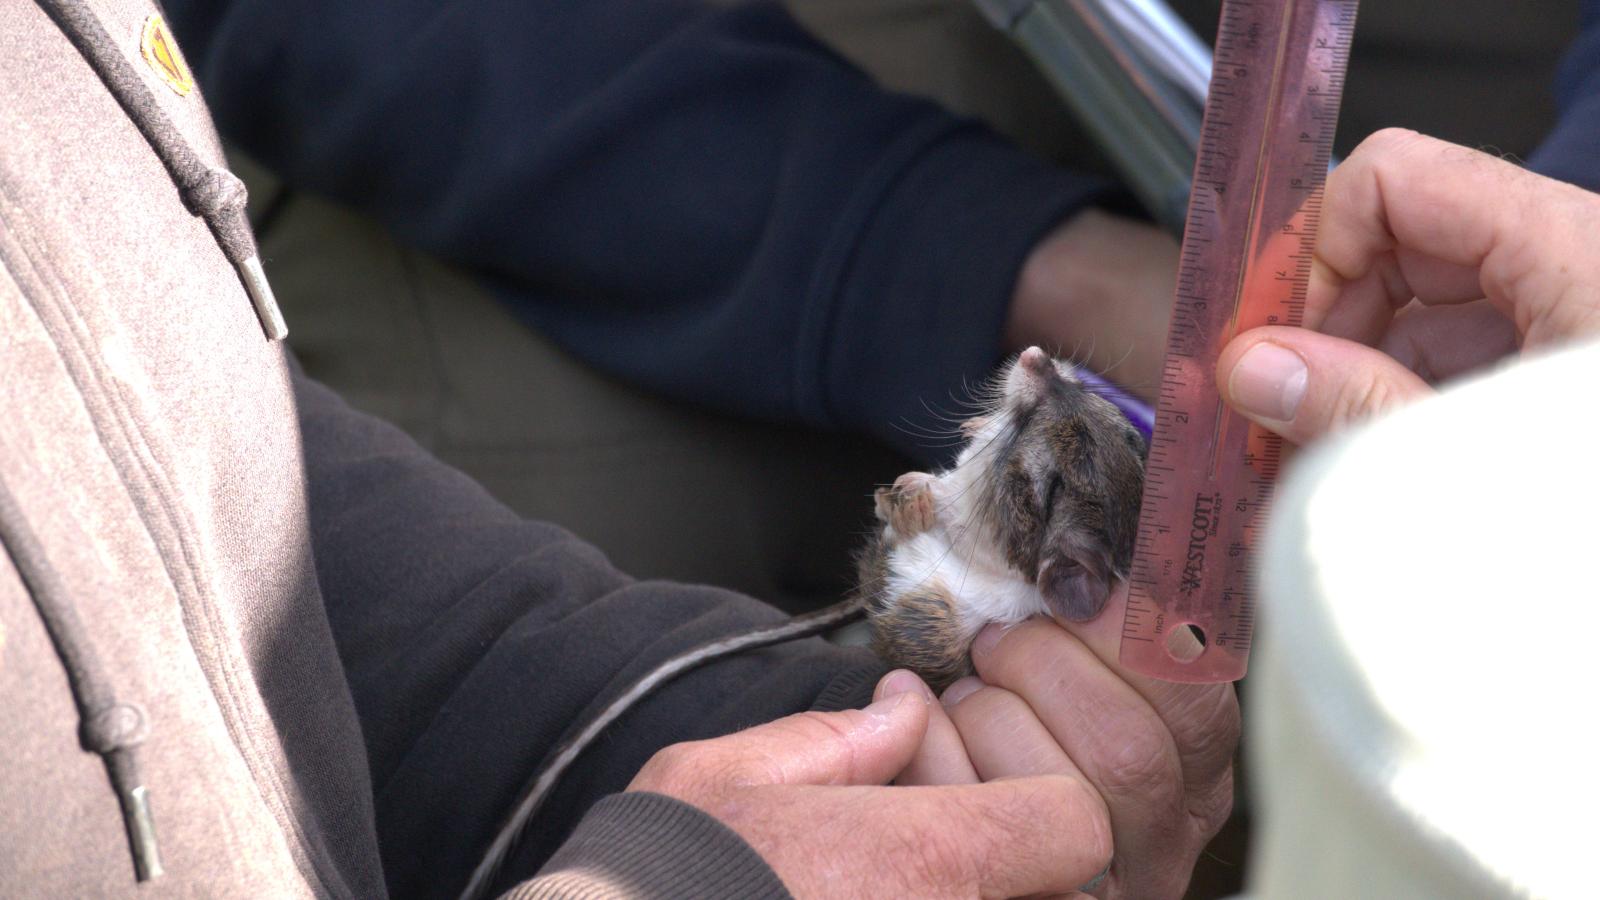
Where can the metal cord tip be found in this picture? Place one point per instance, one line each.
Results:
(255, 284)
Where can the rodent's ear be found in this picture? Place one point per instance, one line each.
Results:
(1073, 591)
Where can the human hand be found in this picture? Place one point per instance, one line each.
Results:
(1050, 701)
(1432, 260)
(807, 793)
(1098, 289)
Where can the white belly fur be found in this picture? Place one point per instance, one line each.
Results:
(982, 592)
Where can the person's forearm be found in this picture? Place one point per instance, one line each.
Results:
(702, 199)
(473, 640)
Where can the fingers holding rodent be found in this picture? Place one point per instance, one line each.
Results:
(942, 757)
(855, 746)
(1407, 215)
(1003, 735)
(1202, 719)
(805, 792)
(1113, 735)
(1165, 802)
(1024, 836)
(1005, 739)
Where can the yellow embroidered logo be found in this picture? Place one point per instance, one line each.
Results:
(161, 52)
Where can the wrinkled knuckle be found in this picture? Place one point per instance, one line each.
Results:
(1139, 765)
(1364, 397)
(1086, 807)
(1008, 824)
(825, 727)
(944, 856)
(831, 729)
(667, 771)
(1212, 727)
(1060, 805)
(688, 770)
(1386, 141)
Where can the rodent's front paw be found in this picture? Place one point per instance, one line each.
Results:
(908, 506)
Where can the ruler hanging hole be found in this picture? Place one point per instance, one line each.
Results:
(1186, 643)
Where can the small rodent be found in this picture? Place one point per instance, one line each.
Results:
(1038, 516)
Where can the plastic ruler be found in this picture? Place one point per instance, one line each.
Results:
(1266, 140)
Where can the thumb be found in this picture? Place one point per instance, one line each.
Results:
(854, 746)
(1303, 385)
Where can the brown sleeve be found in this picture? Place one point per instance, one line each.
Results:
(650, 845)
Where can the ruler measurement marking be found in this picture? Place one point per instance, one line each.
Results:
(1274, 101)
(1251, 225)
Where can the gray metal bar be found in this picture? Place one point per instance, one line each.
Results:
(1134, 74)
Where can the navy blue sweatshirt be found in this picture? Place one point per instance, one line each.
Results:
(702, 200)
(1572, 151)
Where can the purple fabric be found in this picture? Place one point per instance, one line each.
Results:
(1138, 412)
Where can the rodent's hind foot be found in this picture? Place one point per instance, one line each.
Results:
(921, 631)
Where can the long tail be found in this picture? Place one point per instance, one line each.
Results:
(545, 780)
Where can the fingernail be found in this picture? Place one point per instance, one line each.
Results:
(961, 690)
(901, 682)
(1268, 382)
(885, 707)
(987, 638)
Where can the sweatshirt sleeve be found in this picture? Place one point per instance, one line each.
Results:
(686, 853)
(697, 197)
(474, 640)
(1572, 151)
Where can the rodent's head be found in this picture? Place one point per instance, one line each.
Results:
(1063, 473)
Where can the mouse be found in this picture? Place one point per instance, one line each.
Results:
(1037, 516)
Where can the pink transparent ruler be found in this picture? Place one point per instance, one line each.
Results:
(1265, 144)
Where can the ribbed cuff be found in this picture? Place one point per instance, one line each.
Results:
(649, 845)
(852, 688)
(923, 281)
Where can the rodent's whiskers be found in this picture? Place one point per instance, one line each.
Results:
(928, 436)
(1102, 370)
(1120, 360)
(985, 398)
